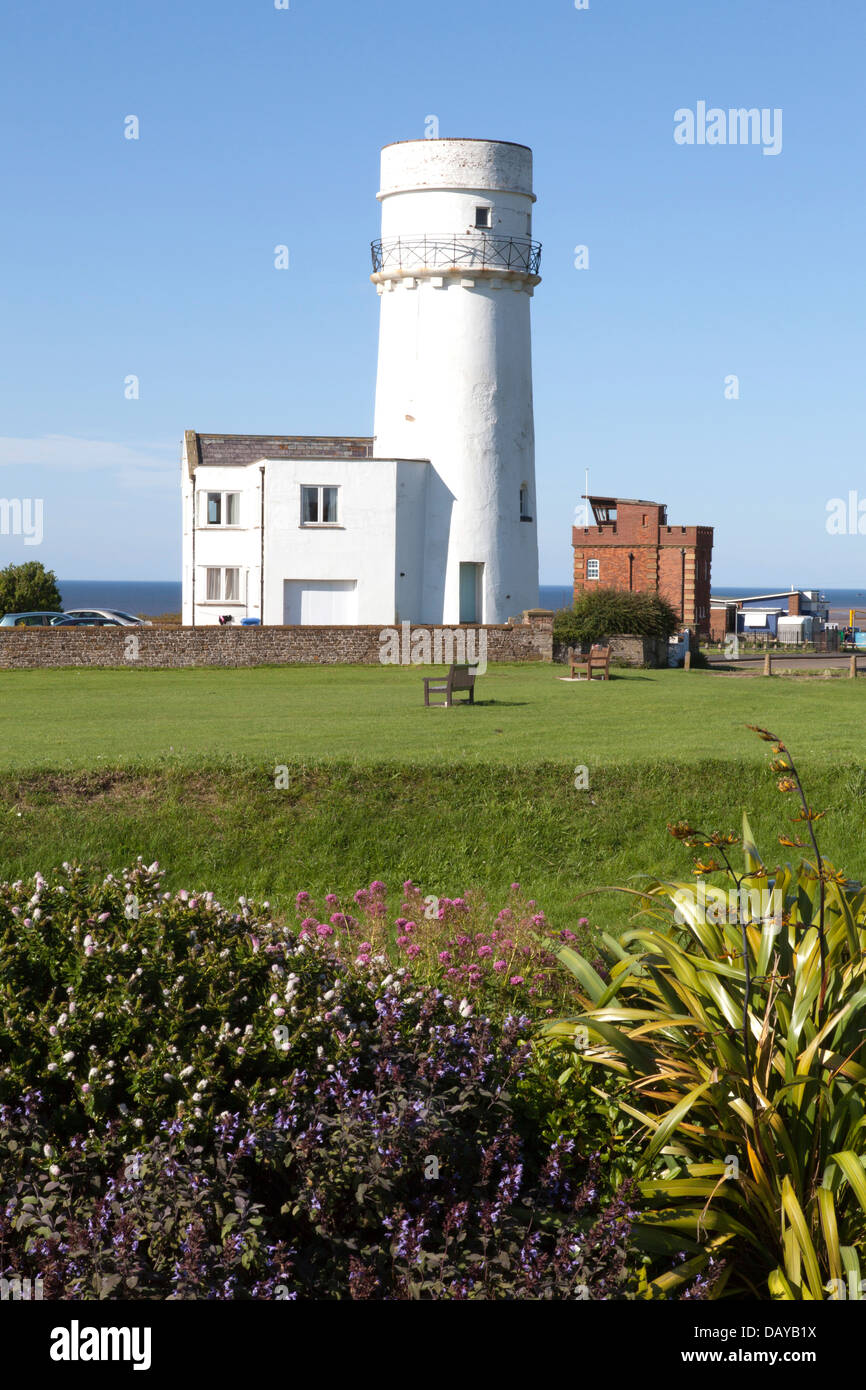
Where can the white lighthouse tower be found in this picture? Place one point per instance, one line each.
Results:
(456, 267)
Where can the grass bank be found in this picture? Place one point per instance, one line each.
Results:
(225, 826)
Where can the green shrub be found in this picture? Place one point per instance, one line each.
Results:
(600, 613)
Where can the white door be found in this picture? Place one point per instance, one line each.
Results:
(319, 602)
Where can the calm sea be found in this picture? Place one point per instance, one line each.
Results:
(154, 599)
(150, 599)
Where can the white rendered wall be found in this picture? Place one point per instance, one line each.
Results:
(454, 373)
(363, 546)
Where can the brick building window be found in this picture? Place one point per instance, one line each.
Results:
(592, 569)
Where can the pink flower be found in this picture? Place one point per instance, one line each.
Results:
(413, 950)
(377, 886)
(516, 980)
(332, 900)
(365, 946)
(500, 965)
(485, 950)
(583, 921)
(445, 957)
(302, 897)
(404, 940)
(362, 960)
(85, 1090)
(324, 930)
(515, 887)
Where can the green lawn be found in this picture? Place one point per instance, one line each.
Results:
(179, 766)
(523, 714)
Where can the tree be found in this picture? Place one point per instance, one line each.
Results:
(29, 588)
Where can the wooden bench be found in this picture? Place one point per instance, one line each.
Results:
(458, 678)
(598, 659)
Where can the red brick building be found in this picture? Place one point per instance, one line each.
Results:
(631, 546)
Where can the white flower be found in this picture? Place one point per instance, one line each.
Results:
(48, 1150)
(187, 1071)
(464, 1008)
(196, 1095)
(54, 1171)
(69, 1056)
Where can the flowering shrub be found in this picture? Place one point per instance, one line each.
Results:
(202, 1103)
(455, 942)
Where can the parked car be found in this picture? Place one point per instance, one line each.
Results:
(116, 615)
(43, 619)
(88, 622)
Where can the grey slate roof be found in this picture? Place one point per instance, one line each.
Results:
(240, 449)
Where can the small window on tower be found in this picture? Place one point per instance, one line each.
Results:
(483, 217)
(592, 569)
(525, 514)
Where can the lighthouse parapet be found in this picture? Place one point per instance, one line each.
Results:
(481, 192)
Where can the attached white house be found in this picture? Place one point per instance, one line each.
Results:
(302, 530)
(433, 519)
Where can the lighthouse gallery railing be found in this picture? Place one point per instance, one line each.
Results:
(447, 252)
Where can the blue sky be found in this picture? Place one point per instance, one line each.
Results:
(260, 127)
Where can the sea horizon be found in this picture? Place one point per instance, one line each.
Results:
(154, 597)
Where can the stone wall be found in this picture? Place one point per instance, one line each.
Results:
(626, 650)
(22, 647)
